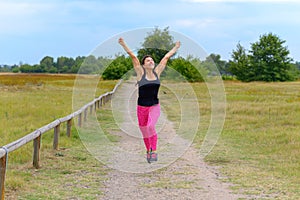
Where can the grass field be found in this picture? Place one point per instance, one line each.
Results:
(28, 102)
(259, 148)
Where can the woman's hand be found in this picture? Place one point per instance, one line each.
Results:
(121, 41)
(177, 44)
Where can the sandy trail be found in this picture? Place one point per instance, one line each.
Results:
(179, 173)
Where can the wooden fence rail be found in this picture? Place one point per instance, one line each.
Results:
(35, 136)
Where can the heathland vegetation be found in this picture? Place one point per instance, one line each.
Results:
(259, 148)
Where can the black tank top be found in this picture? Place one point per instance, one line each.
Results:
(148, 90)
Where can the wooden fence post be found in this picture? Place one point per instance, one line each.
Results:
(100, 102)
(85, 115)
(95, 106)
(56, 136)
(3, 162)
(80, 119)
(69, 126)
(91, 109)
(36, 151)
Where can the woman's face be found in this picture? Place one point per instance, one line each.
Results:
(149, 63)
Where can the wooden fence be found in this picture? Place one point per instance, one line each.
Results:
(35, 136)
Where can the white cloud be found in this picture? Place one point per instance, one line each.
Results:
(219, 21)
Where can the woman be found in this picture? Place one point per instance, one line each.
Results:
(148, 108)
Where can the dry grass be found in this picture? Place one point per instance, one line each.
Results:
(29, 101)
(259, 148)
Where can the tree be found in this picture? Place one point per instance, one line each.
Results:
(117, 68)
(78, 61)
(295, 70)
(270, 59)
(156, 44)
(5, 68)
(214, 60)
(89, 65)
(46, 64)
(26, 68)
(240, 65)
(64, 64)
(190, 68)
(297, 65)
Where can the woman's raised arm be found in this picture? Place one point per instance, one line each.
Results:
(135, 60)
(162, 64)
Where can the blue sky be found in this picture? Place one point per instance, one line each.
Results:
(32, 29)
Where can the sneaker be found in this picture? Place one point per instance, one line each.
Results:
(153, 156)
(148, 156)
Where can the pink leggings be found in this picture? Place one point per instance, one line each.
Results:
(147, 118)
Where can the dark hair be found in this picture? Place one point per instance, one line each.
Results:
(144, 58)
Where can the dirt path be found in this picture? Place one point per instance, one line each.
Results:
(179, 173)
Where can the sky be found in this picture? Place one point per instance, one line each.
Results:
(33, 29)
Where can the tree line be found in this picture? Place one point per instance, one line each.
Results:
(48, 65)
(267, 60)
